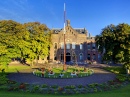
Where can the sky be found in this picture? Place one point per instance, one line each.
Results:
(94, 15)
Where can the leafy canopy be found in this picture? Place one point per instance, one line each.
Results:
(114, 43)
(27, 41)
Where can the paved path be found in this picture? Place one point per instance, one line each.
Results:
(99, 76)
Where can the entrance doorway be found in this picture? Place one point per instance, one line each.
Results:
(68, 57)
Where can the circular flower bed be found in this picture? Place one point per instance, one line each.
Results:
(57, 72)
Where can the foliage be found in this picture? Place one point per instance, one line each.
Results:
(118, 92)
(116, 69)
(122, 77)
(3, 79)
(39, 39)
(58, 70)
(69, 89)
(9, 35)
(114, 43)
(27, 41)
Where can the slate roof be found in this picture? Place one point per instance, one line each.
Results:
(79, 30)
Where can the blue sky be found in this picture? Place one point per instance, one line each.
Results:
(93, 15)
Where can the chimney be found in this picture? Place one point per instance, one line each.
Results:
(68, 22)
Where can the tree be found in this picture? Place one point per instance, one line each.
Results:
(39, 40)
(8, 39)
(114, 43)
(27, 41)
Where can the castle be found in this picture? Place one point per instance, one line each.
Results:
(80, 46)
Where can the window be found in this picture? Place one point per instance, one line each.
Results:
(62, 57)
(93, 46)
(81, 56)
(99, 57)
(94, 57)
(88, 46)
(55, 58)
(68, 45)
(88, 57)
(62, 45)
(81, 46)
(55, 45)
(55, 53)
(73, 45)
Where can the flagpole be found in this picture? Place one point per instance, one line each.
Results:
(64, 66)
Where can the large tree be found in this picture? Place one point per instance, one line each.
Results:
(9, 34)
(27, 41)
(114, 43)
(39, 40)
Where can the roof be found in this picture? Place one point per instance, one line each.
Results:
(79, 30)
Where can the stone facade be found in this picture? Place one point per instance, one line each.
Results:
(79, 46)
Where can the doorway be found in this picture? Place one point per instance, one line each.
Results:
(68, 57)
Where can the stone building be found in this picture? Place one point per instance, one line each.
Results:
(79, 46)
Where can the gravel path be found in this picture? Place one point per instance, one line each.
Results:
(99, 76)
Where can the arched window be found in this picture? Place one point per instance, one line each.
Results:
(55, 45)
(81, 56)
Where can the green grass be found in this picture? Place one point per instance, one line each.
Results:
(116, 69)
(16, 68)
(122, 92)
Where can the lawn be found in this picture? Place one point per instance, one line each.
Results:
(122, 92)
(116, 69)
(14, 68)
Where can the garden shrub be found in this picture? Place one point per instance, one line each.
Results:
(116, 69)
(121, 77)
(44, 86)
(3, 79)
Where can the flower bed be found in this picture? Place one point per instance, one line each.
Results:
(59, 73)
(70, 89)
